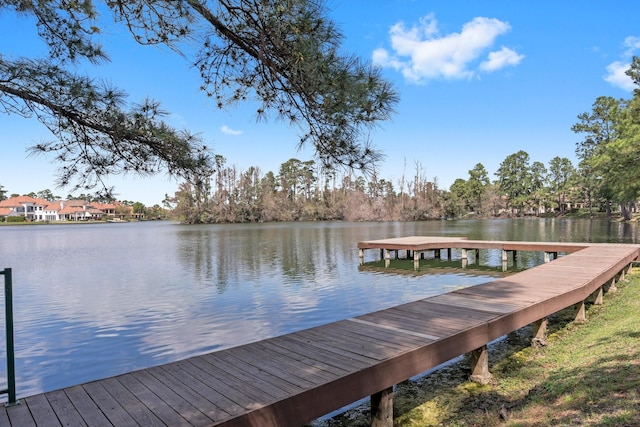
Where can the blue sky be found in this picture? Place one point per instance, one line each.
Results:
(478, 80)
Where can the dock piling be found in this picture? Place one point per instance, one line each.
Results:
(480, 366)
(539, 338)
(598, 300)
(581, 312)
(382, 408)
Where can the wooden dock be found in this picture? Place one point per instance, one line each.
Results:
(295, 378)
(417, 246)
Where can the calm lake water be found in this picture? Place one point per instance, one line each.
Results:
(96, 300)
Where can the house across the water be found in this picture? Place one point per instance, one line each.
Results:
(34, 209)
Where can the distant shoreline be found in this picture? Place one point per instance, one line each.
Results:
(28, 223)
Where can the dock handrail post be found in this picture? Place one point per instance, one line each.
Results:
(8, 310)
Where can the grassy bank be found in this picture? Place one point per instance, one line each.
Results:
(587, 375)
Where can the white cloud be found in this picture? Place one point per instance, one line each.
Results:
(228, 131)
(616, 70)
(500, 59)
(616, 76)
(632, 44)
(420, 53)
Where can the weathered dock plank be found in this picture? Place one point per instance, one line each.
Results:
(42, 412)
(294, 378)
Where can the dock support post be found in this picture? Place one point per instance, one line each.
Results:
(547, 256)
(599, 296)
(504, 256)
(612, 285)
(361, 256)
(581, 313)
(408, 254)
(387, 257)
(448, 254)
(382, 408)
(539, 338)
(436, 253)
(480, 366)
(416, 260)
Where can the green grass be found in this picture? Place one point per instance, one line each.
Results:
(587, 375)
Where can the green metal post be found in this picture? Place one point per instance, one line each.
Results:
(8, 309)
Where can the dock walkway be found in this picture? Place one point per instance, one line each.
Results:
(292, 379)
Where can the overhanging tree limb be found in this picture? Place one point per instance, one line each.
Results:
(285, 54)
(96, 137)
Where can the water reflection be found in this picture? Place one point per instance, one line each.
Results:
(92, 301)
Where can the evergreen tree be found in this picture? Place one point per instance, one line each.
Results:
(515, 179)
(610, 149)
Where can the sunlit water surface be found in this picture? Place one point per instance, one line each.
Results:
(96, 300)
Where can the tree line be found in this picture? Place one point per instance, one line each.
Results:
(304, 190)
(606, 175)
